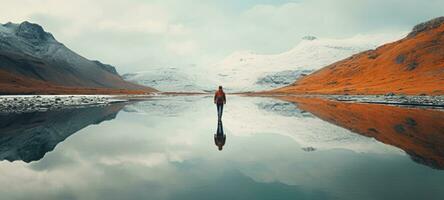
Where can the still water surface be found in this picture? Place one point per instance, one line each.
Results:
(164, 148)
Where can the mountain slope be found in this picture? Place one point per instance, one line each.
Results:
(27, 51)
(413, 65)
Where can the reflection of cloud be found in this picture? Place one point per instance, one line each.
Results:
(148, 160)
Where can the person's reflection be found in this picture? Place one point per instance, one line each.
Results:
(219, 137)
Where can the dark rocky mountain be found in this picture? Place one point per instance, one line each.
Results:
(29, 52)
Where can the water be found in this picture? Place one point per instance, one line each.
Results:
(164, 148)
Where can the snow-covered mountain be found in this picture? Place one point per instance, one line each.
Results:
(247, 71)
(28, 51)
(170, 80)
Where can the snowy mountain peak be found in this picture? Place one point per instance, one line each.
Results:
(33, 32)
(30, 32)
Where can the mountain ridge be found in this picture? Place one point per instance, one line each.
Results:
(29, 52)
(413, 65)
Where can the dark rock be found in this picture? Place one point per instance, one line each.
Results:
(372, 56)
(410, 121)
(400, 59)
(373, 130)
(426, 26)
(399, 128)
(411, 66)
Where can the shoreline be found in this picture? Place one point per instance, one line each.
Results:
(43, 103)
(400, 100)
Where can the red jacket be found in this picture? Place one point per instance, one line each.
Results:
(219, 97)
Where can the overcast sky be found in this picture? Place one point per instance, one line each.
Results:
(140, 34)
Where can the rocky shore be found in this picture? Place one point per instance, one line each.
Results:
(429, 101)
(42, 103)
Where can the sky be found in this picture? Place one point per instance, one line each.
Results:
(136, 35)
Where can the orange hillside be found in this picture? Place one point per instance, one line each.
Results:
(412, 66)
(15, 84)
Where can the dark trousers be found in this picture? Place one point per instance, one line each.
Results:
(220, 109)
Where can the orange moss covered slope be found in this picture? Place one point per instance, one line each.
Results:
(413, 65)
(11, 83)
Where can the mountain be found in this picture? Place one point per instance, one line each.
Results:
(413, 65)
(169, 80)
(248, 71)
(31, 55)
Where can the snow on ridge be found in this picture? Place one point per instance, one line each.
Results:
(249, 71)
(242, 70)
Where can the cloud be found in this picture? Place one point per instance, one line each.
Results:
(136, 35)
(183, 48)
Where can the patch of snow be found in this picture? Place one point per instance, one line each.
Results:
(169, 80)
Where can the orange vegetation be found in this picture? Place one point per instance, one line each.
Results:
(412, 66)
(419, 132)
(15, 84)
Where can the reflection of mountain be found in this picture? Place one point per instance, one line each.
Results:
(284, 108)
(162, 106)
(419, 132)
(29, 136)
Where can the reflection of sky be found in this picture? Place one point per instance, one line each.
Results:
(170, 156)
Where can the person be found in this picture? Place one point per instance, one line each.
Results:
(220, 100)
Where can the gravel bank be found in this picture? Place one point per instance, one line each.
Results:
(42, 103)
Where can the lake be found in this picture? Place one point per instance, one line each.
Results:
(165, 148)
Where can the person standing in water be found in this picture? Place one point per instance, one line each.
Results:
(220, 100)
